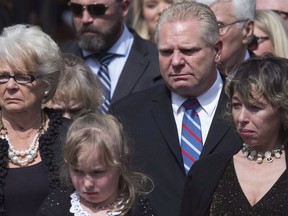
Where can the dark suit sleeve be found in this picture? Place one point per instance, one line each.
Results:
(201, 182)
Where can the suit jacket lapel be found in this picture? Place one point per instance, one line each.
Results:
(72, 47)
(163, 114)
(219, 126)
(214, 178)
(135, 66)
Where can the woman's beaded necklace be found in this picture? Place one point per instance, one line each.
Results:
(259, 156)
(27, 156)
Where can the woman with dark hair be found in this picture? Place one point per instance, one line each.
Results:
(251, 180)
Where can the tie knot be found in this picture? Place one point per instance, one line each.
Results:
(191, 103)
(106, 58)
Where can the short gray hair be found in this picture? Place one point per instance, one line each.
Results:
(185, 11)
(28, 46)
(243, 9)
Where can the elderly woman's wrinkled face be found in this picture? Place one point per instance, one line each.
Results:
(20, 90)
(151, 12)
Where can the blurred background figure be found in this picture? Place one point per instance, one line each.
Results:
(279, 6)
(78, 91)
(144, 15)
(236, 24)
(50, 15)
(5, 13)
(271, 33)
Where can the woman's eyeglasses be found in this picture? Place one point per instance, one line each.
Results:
(93, 9)
(19, 78)
(256, 41)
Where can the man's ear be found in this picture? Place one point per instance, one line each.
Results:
(218, 50)
(125, 4)
(247, 32)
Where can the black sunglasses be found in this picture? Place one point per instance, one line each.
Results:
(93, 9)
(256, 41)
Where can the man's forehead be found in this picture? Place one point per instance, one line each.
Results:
(281, 5)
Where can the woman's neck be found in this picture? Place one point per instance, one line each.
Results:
(21, 122)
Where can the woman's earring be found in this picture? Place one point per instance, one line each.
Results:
(46, 94)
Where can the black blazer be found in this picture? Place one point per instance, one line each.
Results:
(202, 181)
(141, 70)
(148, 118)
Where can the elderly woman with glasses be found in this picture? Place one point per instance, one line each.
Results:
(31, 137)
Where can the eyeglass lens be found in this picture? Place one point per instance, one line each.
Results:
(93, 9)
(224, 28)
(19, 78)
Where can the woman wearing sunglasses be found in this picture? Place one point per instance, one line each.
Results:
(271, 33)
(31, 137)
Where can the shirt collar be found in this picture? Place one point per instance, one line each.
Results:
(247, 55)
(208, 100)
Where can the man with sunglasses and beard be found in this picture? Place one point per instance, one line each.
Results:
(130, 63)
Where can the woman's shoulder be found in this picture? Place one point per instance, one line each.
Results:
(214, 161)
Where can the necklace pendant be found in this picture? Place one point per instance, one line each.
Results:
(252, 155)
(277, 155)
(15, 159)
(259, 156)
(259, 159)
(268, 156)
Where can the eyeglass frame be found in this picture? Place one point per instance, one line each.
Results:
(221, 26)
(254, 44)
(32, 78)
(283, 14)
(262, 38)
(87, 8)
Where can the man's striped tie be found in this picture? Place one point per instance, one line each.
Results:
(104, 77)
(191, 137)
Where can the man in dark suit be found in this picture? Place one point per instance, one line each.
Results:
(189, 49)
(100, 28)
